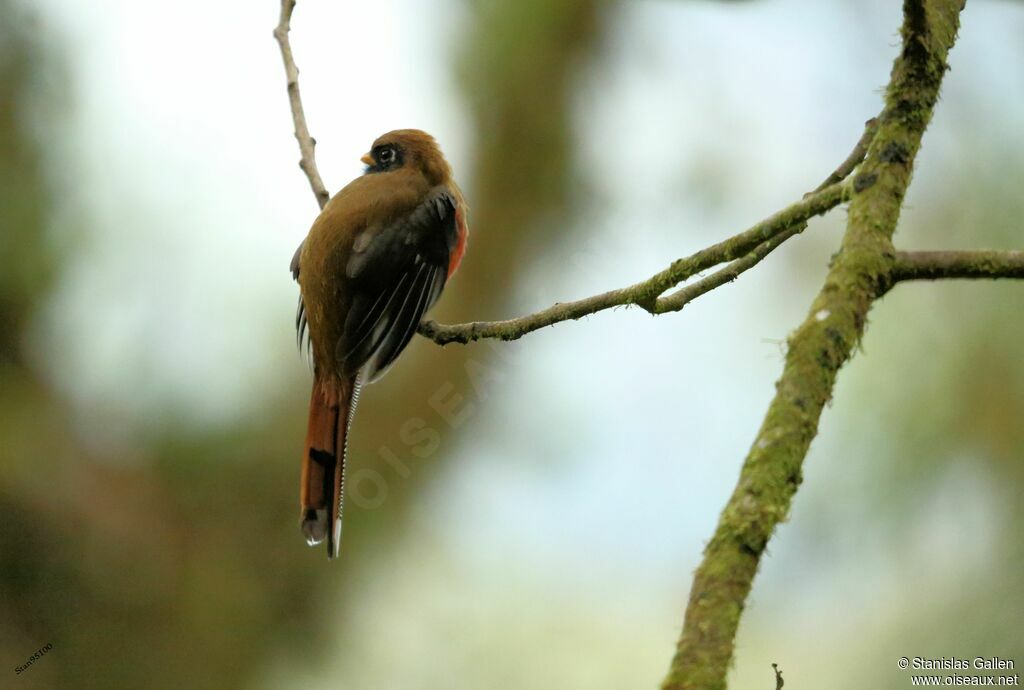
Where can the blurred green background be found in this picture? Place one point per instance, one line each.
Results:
(152, 404)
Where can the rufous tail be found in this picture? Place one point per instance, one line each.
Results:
(323, 462)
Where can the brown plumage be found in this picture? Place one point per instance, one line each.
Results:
(375, 260)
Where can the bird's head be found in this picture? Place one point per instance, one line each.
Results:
(408, 148)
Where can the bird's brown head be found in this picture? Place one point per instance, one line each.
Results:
(405, 148)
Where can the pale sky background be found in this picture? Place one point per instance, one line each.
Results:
(589, 483)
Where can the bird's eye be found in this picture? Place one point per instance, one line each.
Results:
(386, 155)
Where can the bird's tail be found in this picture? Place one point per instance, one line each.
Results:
(323, 462)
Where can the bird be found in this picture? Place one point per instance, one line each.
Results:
(374, 261)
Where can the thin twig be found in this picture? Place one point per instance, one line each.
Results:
(684, 295)
(750, 247)
(860, 150)
(307, 144)
(645, 293)
(687, 294)
(744, 250)
(981, 263)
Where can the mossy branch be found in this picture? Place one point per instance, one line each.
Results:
(685, 295)
(976, 264)
(750, 246)
(765, 235)
(862, 270)
(866, 267)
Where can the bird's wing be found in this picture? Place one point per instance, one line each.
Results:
(294, 266)
(395, 274)
(300, 311)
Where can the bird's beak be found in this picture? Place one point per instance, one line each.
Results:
(367, 159)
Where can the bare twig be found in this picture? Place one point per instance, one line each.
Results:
(980, 263)
(307, 144)
(778, 677)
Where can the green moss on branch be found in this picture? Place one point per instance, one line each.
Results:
(971, 264)
(860, 273)
(761, 236)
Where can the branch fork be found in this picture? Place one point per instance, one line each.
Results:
(864, 269)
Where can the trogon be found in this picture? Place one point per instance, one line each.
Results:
(375, 260)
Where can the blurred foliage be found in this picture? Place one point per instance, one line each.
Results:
(964, 397)
(177, 562)
(143, 566)
(22, 198)
(948, 401)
